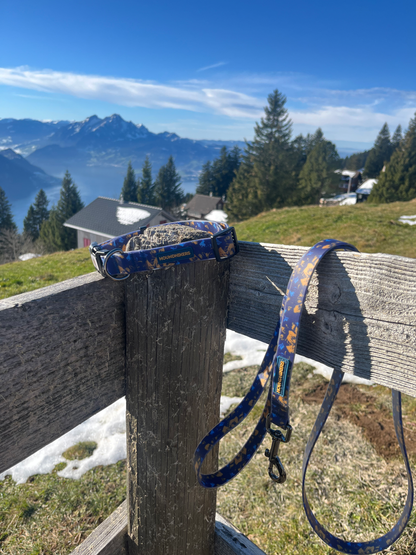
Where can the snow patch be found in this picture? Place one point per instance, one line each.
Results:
(128, 216)
(28, 256)
(411, 220)
(216, 216)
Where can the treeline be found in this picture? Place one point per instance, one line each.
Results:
(43, 229)
(274, 170)
(165, 191)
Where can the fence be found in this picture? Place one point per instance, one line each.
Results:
(69, 350)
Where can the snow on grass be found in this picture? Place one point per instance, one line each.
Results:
(108, 427)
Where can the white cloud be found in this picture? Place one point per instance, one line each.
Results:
(133, 92)
(219, 64)
(359, 124)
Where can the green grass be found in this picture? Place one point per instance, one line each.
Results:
(354, 493)
(19, 277)
(50, 515)
(371, 228)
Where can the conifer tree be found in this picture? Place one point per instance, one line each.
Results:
(206, 182)
(216, 178)
(37, 214)
(168, 193)
(129, 189)
(397, 137)
(398, 182)
(380, 154)
(52, 232)
(242, 198)
(6, 216)
(317, 176)
(271, 154)
(145, 186)
(267, 175)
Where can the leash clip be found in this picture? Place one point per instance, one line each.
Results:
(272, 454)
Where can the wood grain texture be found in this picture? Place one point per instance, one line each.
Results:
(360, 312)
(62, 353)
(175, 342)
(230, 541)
(109, 538)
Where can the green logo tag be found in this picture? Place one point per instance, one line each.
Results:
(280, 370)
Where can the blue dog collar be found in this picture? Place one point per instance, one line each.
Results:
(111, 259)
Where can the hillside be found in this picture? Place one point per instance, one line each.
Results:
(19, 178)
(371, 228)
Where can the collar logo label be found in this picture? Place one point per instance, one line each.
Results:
(172, 256)
(281, 367)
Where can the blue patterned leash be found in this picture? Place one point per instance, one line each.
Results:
(111, 259)
(278, 363)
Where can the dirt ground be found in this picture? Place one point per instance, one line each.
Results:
(371, 416)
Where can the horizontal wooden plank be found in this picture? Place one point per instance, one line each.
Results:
(360, 312)
(109, 538)
(62, 359)
(230, 541)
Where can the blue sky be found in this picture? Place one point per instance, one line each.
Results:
(204, 70)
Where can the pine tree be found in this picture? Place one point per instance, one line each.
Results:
(168, 193)
(317, 176)
(242, 198)
(271, 154)
(129, 189)
(397, 137)
(380, 153)
(6, 216)
(398, 182)
(52, 232)
(206, 182)
(36, 215)
(216, 178)
(145, 186)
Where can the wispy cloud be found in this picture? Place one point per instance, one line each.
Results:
(133, 92)
(213, 66)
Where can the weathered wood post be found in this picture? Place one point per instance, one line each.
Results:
(175, 332)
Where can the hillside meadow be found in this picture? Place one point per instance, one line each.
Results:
(371, 228)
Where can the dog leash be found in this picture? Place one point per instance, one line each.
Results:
(277, 364)
(111, 259)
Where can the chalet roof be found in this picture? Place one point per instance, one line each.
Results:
(111, 218)
(200, 205)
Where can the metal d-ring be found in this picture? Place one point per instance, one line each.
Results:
(106, 259)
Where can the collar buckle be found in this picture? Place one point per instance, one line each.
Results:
(215, 244)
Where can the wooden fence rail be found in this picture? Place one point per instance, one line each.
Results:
(65, 355)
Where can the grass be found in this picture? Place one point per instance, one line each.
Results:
(353, 491)
(19, 277)
(371, 228)
(50, 515)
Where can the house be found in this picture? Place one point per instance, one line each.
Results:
(364, 191)
(201, 205)
(105, 218)
(350, 180)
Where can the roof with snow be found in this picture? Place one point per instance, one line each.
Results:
(111, 217)
(201, 205)
(367, 186)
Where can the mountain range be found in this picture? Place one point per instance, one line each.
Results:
(96, 151)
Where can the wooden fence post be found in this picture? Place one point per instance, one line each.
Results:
(175, 332)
